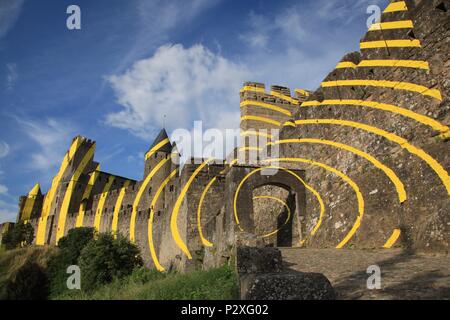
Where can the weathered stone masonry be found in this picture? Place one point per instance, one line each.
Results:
(363, 163)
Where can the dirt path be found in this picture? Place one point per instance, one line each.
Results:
(403, 276)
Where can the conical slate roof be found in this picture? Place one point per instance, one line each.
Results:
(159, 145)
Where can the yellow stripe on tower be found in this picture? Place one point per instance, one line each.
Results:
(250, 103)
(174, 218)
(156, 148)
(435, 125)
(261, 119)
(86, 195)
(205, 242)
(252, 89)
(29, 203)
(70, 188)
(151, 245)
(284, 97)
(344, 177)
(101, 203)
(401, 43)
(389, 172)
(396, 6)
(48, 200)
(432, 163)
(139, 195)
(396, 85)
(302, 92)
(404, 24)
(115, 220)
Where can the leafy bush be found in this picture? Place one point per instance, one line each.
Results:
(70, 249)
(107, 258)
(21, 234)
(28, 283)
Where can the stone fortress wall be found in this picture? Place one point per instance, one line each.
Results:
(363, 163)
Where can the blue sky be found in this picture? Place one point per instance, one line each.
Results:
(135, 61)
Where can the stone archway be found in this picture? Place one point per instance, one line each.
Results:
(244, 183)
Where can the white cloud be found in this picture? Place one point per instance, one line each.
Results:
(12, 76)
(3, 189)
(9, 13)
(53, 138)
(186, 84)
(4, 149)
(8, 211)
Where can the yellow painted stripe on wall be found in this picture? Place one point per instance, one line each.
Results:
(151, 245)
(48, 200)
(432, 163)
(156, 148)
(284, 97)
(101, 203)
(139, 195)
(289, 124)
(253, 89)
(86, 195)
(174, 218)
(416, 64)
(250, 103)
(345, 65)
(400, 43)
(28, 208)
(261, 119)
(344, 177)
(205, 242)
(115, 220)
(302, 92)
(404, 24)
(68, 194)
(396, 6)
(392, 239)
(434, 124)
(399, 186)
(397, 85)
(256, 133)
(243, 149)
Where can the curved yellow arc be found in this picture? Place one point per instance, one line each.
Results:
(199, 213)
(284, 204)
(396, 85)
(416, 64)
(315, 193)
(434, 165)
(252, 89)
(397, 43)
(101, 203)
(403, 24)
(173, 219)
(151, 245)
(68, 195)
(86, 195)
(139, 195)
(115, 220)
(42, 224)
(344, 177)
(251, 103)
(399, 186)
(396, 6)
(156, 148)
(434, 124)
(392, 239)
(261, 119)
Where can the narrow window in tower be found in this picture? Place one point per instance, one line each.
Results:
(150, 190)
(171, 188)
(156, 155)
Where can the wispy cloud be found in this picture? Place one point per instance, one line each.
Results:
(12, 76)
(52, 137)
(9, 13)
(4, 149)
(185, 84)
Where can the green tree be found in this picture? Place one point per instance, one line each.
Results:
(21, 234)
(70, 249)
(107, 258)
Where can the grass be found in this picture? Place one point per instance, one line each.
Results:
(12, 260)
(144, 284)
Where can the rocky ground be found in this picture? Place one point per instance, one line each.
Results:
(403, 275)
